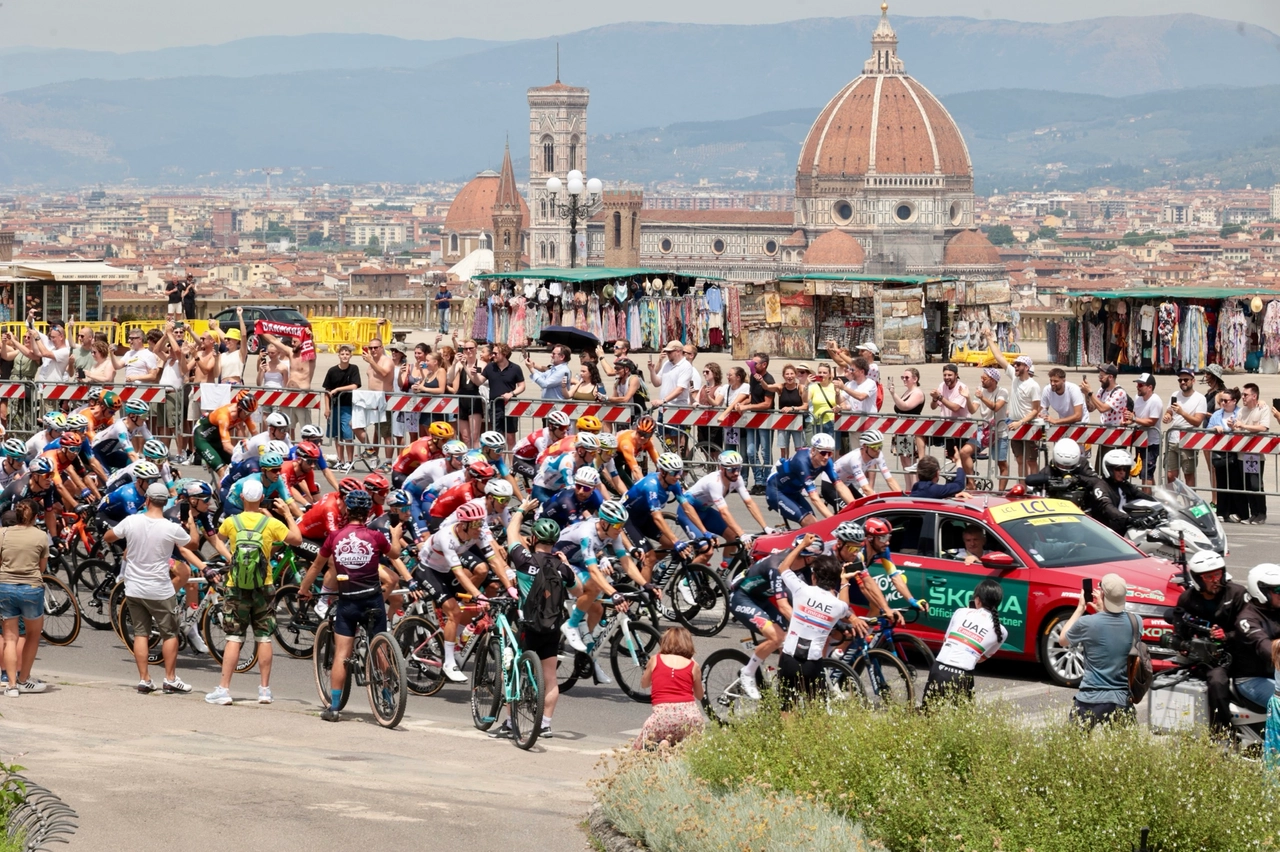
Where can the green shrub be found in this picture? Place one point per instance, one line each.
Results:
(977, 777)
(656, 800)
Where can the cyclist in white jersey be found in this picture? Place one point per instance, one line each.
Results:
(154, 451)
(707, 496)
(852, 468)
(54, 425)
(431, 471)
(497, 494)
(14, 464)
(277, 430)
(557, 472)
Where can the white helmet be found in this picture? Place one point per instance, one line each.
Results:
(608, 441)
(586, 476)
(869, 438)
(587, 441)
(670, 463)
(1118, 459)
(498, 488)
(493, 441)
(1202, 562)
(278, 420)
(558, 418)
(281, 447)
(1265, 575)
(1066, 454)
(311, 433)
(822, 441)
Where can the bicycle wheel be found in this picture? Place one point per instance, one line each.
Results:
(125, 619)
(322, 664)
(722, 695)
(92, 588)
(836, 686)
(486, 682)
(571, 666)
(916, 656)
(422, 645)
(884, 680)
(115, 606)
(296, 622)
(213, 629)
(629, 656)
(699, 599)
(526, 710)
(61, 623)
(388, 692)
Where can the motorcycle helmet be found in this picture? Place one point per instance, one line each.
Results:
(1066, 454)
(1263, 579)
(1117, 460)
(1204, 562)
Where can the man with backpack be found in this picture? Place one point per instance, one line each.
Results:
(249, 536)
(1109, 639)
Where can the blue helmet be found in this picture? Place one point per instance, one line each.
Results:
(398, 499)
(358, 501)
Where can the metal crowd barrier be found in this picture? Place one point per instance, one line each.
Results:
(1239, 444)
(399, 410)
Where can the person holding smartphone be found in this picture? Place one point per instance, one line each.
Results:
(1104, 636)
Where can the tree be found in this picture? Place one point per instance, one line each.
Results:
(1001, 235)
(1268, 234)
(315, 238)
(1059, 212)
(373, 248)
(1228, 230)
(1047, 233)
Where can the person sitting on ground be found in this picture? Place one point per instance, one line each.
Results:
(675, 680)
(927, 484)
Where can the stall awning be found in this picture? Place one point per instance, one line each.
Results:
(867, 279)
(1173, 293)
(67, 271)
(587, 274)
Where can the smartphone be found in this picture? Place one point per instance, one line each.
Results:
(1087, 590)
(1275, 402)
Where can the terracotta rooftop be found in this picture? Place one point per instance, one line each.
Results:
(472, 207)
(970, 248)
(835, 249)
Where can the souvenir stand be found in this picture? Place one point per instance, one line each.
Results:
(647, 307)
(1162, 329)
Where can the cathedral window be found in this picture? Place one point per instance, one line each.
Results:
(453, 244)
(664, 245)
(548, 154)
(573, 153)
(617, 227)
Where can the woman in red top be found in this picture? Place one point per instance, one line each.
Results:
(674, 680)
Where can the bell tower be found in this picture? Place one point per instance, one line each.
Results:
(557, 146)
(506, 219)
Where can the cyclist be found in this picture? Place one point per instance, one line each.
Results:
(557, 472)
(112, 444)
(130, 498)
(273, 487)
(455, 560)
(577, 502)
(196, 512)
(90, 400)
(857, 469)
(429, 446)
(478, 473)
(497, 494)
(587, 423)
(357, 552)
(55, 423)
(791, 489)
(707, 499)
(68, 476)
(428, 474)
(300, 474)
(277, 424)
(250, 464)
(86, 465)
(102, 410)
(875, 551)
(315, 435)
(632, 442)
(396, 521)
(154, 451)
(526, 451)
(212, 433)
(36, 484)
(607, 464)
(493, 446)
(14, 463)
(645, 501)
(378, 487)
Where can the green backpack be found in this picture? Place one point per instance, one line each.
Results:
(248, 565)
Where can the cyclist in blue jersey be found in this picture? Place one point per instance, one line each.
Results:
(557, 472)
(866, 549)
(792, 490)
(250, 464)
(578, 503)
(273, 487)
(645, 501)
(129, 499)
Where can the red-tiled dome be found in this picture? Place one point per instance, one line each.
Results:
(472, 207)
(835, 249)
(970, 248)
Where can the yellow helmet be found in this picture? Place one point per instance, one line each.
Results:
(440, 429)
(589, 423)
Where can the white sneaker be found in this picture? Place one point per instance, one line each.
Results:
(574, 637)
(747, 682)
(264, 695)
(451, 671)
(193, 636)
(322, 606)
(601, 677)
(221, 695)
(686, 592)
(11, 693)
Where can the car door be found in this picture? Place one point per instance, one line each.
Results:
(913, 534)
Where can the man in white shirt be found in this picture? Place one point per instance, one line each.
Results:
(862, 387)
(675, 379)
(141, 366)
(1187, 409)
(551, 378)
(1147, 411)
(1024, 403)
(1062, 402)
(53, 352)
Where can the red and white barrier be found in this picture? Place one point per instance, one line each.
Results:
(1082, 433)
(146, 393)
(921, 427)
(422, 404)
(572, 410)
(1231, 442)
(681, 416)
(284, 397)
(13, 390)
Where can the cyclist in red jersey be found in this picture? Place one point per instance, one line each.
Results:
(327, 514)
(426, 448)
(478, 473)
(300, 474)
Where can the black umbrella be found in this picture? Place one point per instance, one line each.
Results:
(575, 338)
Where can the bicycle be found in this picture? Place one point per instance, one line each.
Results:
(885, 679)
(505, 674)
(693, 595)
(93, 583)
(913, 651)
(296, 619)
(631, 642)
(61, 623)
(375, 662)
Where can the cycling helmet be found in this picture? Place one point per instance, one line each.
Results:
(877, 526)
(41, 465)
(398, 499)
(589, 423)
(276, 420)
(155, 449)
(377, 482)
(271, 461)
(95, 394)
(608, 441)
(481, 469)
(1117, 459)
(307, 450)
(246, 401)
(871, 438)
(137, 407)
(454, 448)
(471, 512)
(281, 447)
(815, 548)
(198, 489)
(72, 441)
(348, 484)
(822, 441)
(646, 426)
(613, 512)
(546, 529)
(850, 532)
(586, 441)
(358, 501)
(111, 400)
(1203, 562)
(730, 458)
(493, 441)
(311, 433)
(55, 421)
(145, 470)
(558, 419)
(670, 463)
(1263, 579)
(586, 476)
(77, 423)
(14, 448)
(498, 488)
(440, 429)
(1066, 454)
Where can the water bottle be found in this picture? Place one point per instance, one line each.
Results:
(468, 633)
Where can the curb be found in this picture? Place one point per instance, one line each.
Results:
(608, 836)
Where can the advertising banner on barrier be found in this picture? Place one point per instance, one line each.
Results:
(146, 393)
(538, 409)
(922, 427)
(1082, 433)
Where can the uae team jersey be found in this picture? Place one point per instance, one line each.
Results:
(815, 612)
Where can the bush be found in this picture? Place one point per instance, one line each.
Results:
(657, 801)
(979, 778)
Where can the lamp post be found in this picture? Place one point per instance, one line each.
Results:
(576, 208)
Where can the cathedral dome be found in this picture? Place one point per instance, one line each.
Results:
(835, 250)
(970, 248)
(472, 207)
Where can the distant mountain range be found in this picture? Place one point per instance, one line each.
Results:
(343, 108)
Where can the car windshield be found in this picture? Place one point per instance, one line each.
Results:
(1066, 541)
(288, 315)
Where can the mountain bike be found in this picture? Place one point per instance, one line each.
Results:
(631, 642)
(505, 674)
(375, 662)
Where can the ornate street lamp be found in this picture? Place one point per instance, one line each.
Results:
(582, 202)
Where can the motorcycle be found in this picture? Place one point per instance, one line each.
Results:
(1175, 517)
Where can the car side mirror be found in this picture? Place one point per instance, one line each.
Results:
(1000, 561)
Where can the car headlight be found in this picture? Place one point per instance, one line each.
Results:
(1143, 610)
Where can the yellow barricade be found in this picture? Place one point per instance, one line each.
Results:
(333, 332)
(18, 329)
(141, 325)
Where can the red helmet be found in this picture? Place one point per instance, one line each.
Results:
(877, 526)
(471, 512)
(309, 451)
(71, 440)
(376, 482)
(348, 484)
(481, 469)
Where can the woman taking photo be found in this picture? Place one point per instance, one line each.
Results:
(471, 405)
(414, 371)
(1227, 468)
(404, 424)
(588, 388)
(433, 381)
(711, 396)
(24, 554)
(734, 390)
(974, 634)
(905, 447)
(791, 401)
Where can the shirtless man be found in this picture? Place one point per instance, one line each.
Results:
(300, 374)
(381, 377)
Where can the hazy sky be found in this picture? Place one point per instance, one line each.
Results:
(124, 25)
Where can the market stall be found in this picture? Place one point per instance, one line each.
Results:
(57, 289)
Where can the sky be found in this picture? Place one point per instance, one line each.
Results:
(129, 25)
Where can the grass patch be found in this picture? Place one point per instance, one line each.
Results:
(975, 777)
(12, 793)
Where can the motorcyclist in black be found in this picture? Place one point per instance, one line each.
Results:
(1068, 476)
(1257, 629)
(1213, 599)
(1114, 490)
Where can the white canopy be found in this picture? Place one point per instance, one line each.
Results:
(480, 260)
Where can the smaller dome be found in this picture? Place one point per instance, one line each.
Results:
(970, 248)
(796, 240)
(472, 207)
(835, 249)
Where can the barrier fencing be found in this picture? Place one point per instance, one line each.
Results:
(1221, 452)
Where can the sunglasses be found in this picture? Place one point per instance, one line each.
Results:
(820, 452)
(584, 488)
(876, 447)
(614, 527)
(731, 471)
(706, 372)
(468, 349)
(906, 378)
(499, 499)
